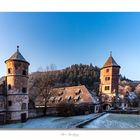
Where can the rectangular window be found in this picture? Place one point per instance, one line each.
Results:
(24, 72)
(9, 87)
(107, 70)
(107, 87)
(23, 106)
(9, 71)
(107, 78)
(9, 103)
(24, 90)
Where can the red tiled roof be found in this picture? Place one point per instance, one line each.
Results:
(110, 62)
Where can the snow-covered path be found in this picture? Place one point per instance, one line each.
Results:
(50, 122)
(116, 121)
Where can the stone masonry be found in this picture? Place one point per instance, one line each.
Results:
(16, 82)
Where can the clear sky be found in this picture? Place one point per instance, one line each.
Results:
(64, 39)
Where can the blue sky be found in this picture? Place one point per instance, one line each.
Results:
(64, 39)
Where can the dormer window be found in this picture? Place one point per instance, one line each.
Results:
(77, 98)
(52, 99)
(59, 99)
(60, 93)
(69, 98)
(77, 91)
(9, 70)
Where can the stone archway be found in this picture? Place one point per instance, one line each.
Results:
(106, 107)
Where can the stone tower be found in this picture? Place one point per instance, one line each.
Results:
(109, 77)
(16, 80)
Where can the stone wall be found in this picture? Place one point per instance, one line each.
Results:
(37, 112)
(2, 118)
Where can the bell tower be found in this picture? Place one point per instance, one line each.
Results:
(109, 77)
(17, 80)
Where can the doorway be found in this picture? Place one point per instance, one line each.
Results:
(23, 117)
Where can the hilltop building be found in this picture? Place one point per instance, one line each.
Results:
(13, 90)
(109, 81)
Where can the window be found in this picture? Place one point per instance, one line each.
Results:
(77, 91)
(2, 103)
(60, 93)
(9, 103)
(52, 99)
(107, 78)
(107, 70)
(23, 106)
(9, 87)
(77, 98)
(9, 70)
(59, 99)
(24, 72)
(69, 98)
(24, 90)
(107, 87)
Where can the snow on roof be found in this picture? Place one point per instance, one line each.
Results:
(75, 95)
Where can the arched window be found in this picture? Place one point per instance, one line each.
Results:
(9, 87)
(23, 106)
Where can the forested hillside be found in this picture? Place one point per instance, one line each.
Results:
(41, 82)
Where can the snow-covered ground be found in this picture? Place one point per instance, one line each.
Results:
(116, 121)
(50, 122)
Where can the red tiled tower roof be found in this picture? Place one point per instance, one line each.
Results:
(17, 56)
(110, 62)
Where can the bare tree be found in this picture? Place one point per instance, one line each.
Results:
(137, 91)
(40, 85)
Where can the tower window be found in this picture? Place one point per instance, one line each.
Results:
(9, 70)
(9, 87)
(107, 78)
(107, 87)
(24, 72)
(24, 90)
(23, 106)
(107, 70)
(9, 103)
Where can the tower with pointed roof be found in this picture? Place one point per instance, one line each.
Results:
(16, 81)
(109, 77)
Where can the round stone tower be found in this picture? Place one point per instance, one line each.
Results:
(17, 80)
